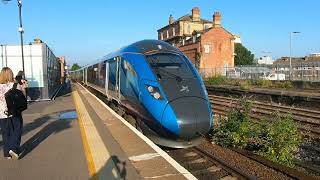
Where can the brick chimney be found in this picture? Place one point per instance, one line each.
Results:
(216, 19)
(195, 14)
(171, 20)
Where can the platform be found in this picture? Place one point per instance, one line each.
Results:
(76, 136)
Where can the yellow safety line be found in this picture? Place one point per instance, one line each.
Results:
(90, 162)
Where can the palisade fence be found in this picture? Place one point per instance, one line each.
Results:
(299, 72)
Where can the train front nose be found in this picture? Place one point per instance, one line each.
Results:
(192, 116)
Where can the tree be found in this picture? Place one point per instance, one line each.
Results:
(243, 55)
(75, 66)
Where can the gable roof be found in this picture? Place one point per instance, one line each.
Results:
(188, 18)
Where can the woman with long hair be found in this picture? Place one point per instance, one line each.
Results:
(11, 125)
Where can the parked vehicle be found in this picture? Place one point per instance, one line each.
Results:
(274, 76)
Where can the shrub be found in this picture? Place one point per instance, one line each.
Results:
(234, 82)
(285, 85)
(246, 85)
(216, 80)
(276, 137)
(234, 131)
(263, 83)
(280, 138)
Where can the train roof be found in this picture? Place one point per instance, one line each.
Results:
(141, 47)
(144, 47)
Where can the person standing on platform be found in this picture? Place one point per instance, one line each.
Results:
(11, 125)
(20, 79)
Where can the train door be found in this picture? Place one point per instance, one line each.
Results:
(107, 78)
(113, 79)
(83, 75)
(86, 75)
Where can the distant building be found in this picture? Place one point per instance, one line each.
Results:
(63, 68)
(315, 55)
(237, 39)
(265, 60)
(206, 43)
(311, 60)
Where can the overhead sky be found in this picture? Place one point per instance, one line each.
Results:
(84, 31)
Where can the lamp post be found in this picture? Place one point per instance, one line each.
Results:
(291, 33)
(21, 31)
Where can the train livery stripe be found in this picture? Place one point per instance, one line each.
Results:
(99, 160)
(169, 159)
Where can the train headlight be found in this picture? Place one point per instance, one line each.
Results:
(150, 89)
(154, 92)
(157, 95)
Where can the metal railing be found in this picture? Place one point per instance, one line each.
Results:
(298, 72)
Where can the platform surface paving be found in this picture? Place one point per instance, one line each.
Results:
(75, 137)
(51, 143)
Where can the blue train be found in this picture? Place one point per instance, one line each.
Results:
(156, 84)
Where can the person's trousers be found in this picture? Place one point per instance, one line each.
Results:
(11, 134)
(16, 133)
(5, 131)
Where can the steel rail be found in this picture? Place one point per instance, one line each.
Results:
(308, 122)
(229, 168)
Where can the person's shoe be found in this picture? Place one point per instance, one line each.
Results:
(14, 155)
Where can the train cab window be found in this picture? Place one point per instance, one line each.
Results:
(168, 66)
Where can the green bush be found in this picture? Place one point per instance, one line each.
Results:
(234, 82)
(285, 85)
(276, 137)
(235, 130)
(264, 83)
(246, 85)
(280, 139)
(217, 80)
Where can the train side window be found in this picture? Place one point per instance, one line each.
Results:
(129, 81)
(129, 69)
(112, 75)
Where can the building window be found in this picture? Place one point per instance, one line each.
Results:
(173, 31)
(189, 28)
(167, 34)
(206, 26)
(161, 36)
(194, 39)
(207, 49)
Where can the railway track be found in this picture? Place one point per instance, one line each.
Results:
(204, 165)
(308, 120)
(201, 163)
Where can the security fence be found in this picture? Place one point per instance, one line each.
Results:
(297, 72)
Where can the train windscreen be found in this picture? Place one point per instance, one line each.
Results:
(169, 66)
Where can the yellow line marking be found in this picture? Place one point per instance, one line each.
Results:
(99, 158)
(169, 159)
(90, 163)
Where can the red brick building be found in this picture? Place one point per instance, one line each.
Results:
(207, 44)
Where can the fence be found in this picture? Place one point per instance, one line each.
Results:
(299, 72)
